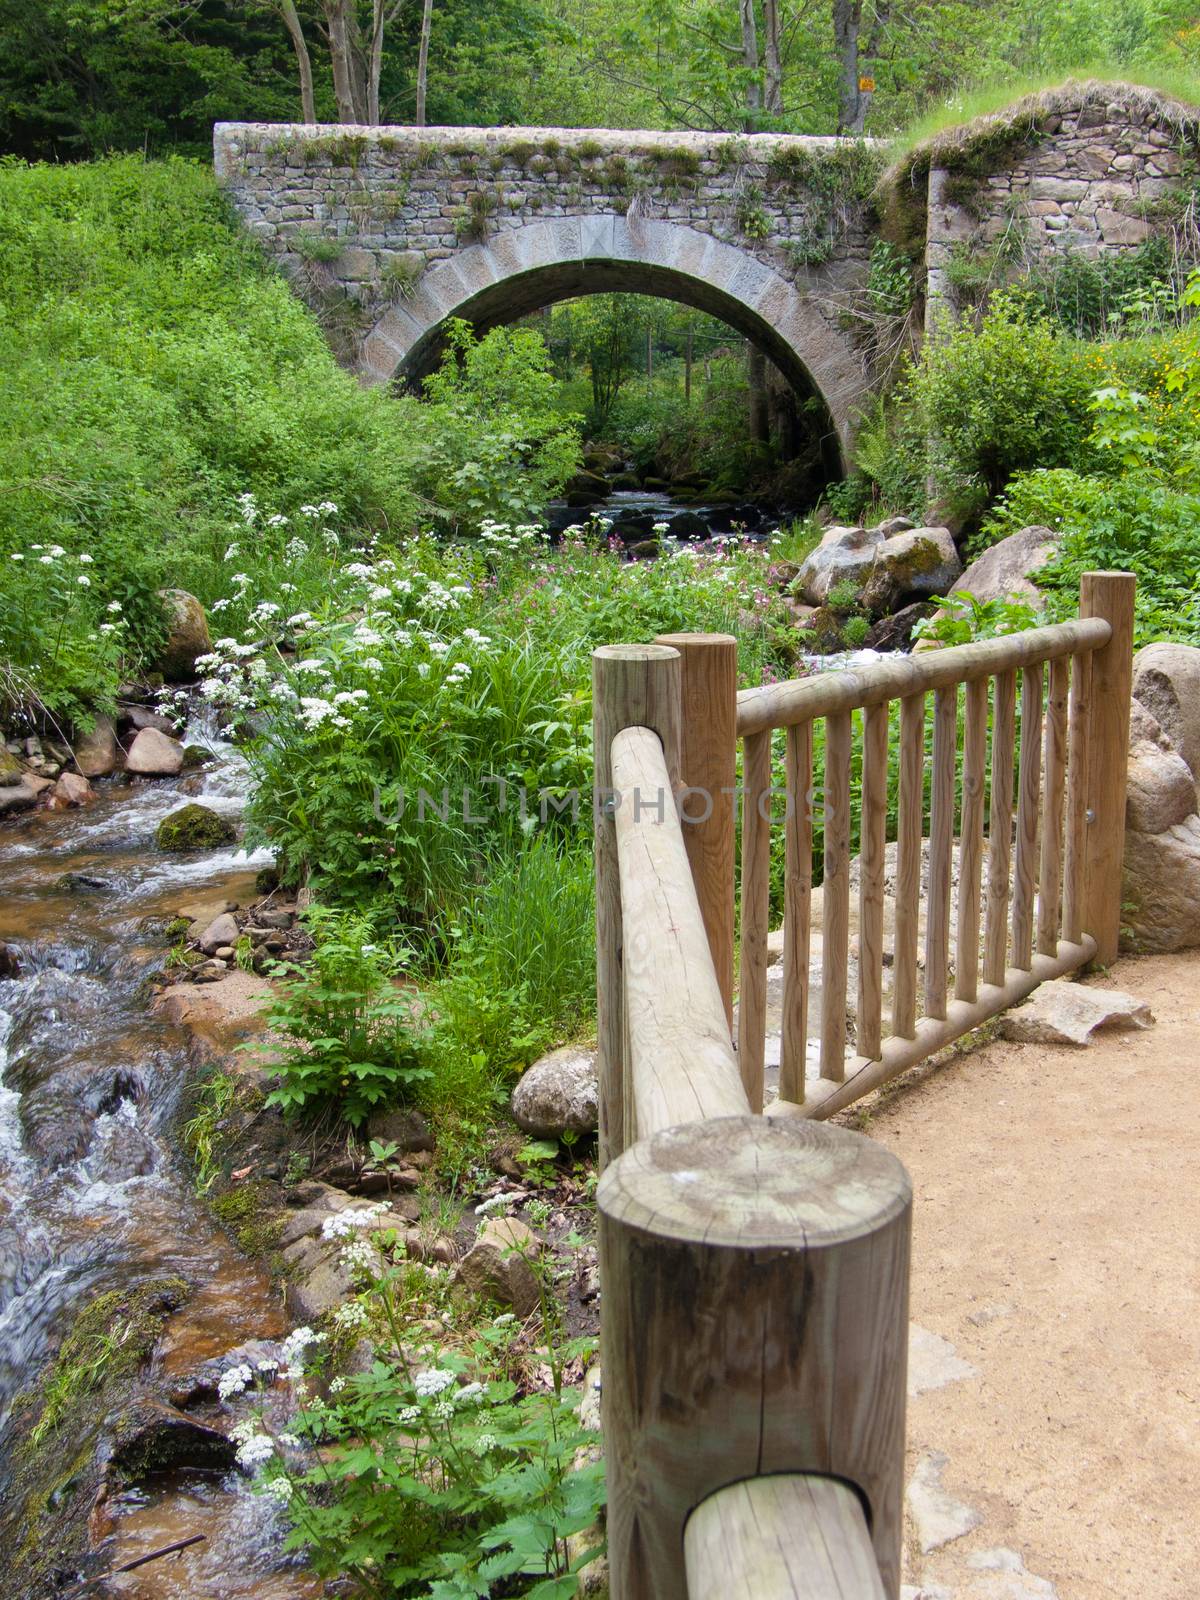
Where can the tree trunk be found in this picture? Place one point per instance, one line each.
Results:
(773, 96)
(751, 63)
(852, 103)
(375, 61)
(336, 19)
(687, 368)
(291, 21)
(760, 426)
(423, 61)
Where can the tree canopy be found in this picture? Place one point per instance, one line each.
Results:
(84, 77)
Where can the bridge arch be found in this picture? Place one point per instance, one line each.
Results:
(522, 269)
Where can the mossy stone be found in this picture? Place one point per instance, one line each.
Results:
(194, 827)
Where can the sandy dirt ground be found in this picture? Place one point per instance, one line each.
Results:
(1055, 1442)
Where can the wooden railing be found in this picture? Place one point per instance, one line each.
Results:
(755, 1269)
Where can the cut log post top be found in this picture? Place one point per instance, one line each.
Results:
(755, 1323)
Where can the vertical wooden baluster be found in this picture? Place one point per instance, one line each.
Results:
(835, 896)
(941, 849)
(1109, 595)
(995, 938)
(1054, 795)
(908, 863)
(970, 843)
(756, 910)
(1028, 796)
(797, 915)
(873, 835)
(1077, 790)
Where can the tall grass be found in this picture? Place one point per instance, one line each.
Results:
(988, 99)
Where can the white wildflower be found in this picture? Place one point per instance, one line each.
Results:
(485, 1444)
(341, 1224)
(280, 1489)
(434, 1382)
(498, 1202)
(254, 1451)
(233, 1381)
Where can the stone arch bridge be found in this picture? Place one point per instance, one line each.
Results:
(390, 231)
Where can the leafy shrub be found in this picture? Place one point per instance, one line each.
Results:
(961, 618)
(1135, 523)
(344, 1025)
(1000, 398)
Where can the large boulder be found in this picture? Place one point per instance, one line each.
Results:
(155, 755)
(187, 635)
(1007, 570)
(1161, 894)
(96, 752)
(1162, 888)
(558, 1094)
(885, 568)
(1166, 682)
(11, 769)
(194, 827)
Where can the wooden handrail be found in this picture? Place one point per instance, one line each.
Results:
(780, 705)
(795, 1536)
(680, 1063)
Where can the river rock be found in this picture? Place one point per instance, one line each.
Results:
(1007, 570)
(558, 1094)
(910, 565)
(688, 525)
(10, 967)
(17, 797)
(895, 632)
(96, 751)
(194, 827)
(884, 568)
(11, 770)
(1166, 681)
(73, 789)
(155, 755)
(1063, 1012)
(325, 1282)
(406, 1129)
(153, 1436)
(139, 717)
(187, 636)
(221, 930)
(496, 1265)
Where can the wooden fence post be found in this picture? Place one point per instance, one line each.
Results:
(1109, 595)
(632, 686)
(708, 768)
(755, 1277)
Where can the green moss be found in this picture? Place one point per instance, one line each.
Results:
(194, 827)
(244, 1213)
(111, 1337)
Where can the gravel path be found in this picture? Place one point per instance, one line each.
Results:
(1055, 1444)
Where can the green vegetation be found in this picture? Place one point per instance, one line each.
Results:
(155, 371)
(453, 1474)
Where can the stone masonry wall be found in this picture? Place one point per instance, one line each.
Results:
(1092, 179)
(369, 210)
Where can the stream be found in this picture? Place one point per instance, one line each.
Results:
(94, 1193)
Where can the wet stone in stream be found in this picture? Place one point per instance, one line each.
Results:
(95, 1201)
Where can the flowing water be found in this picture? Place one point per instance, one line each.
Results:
(94, 1194)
